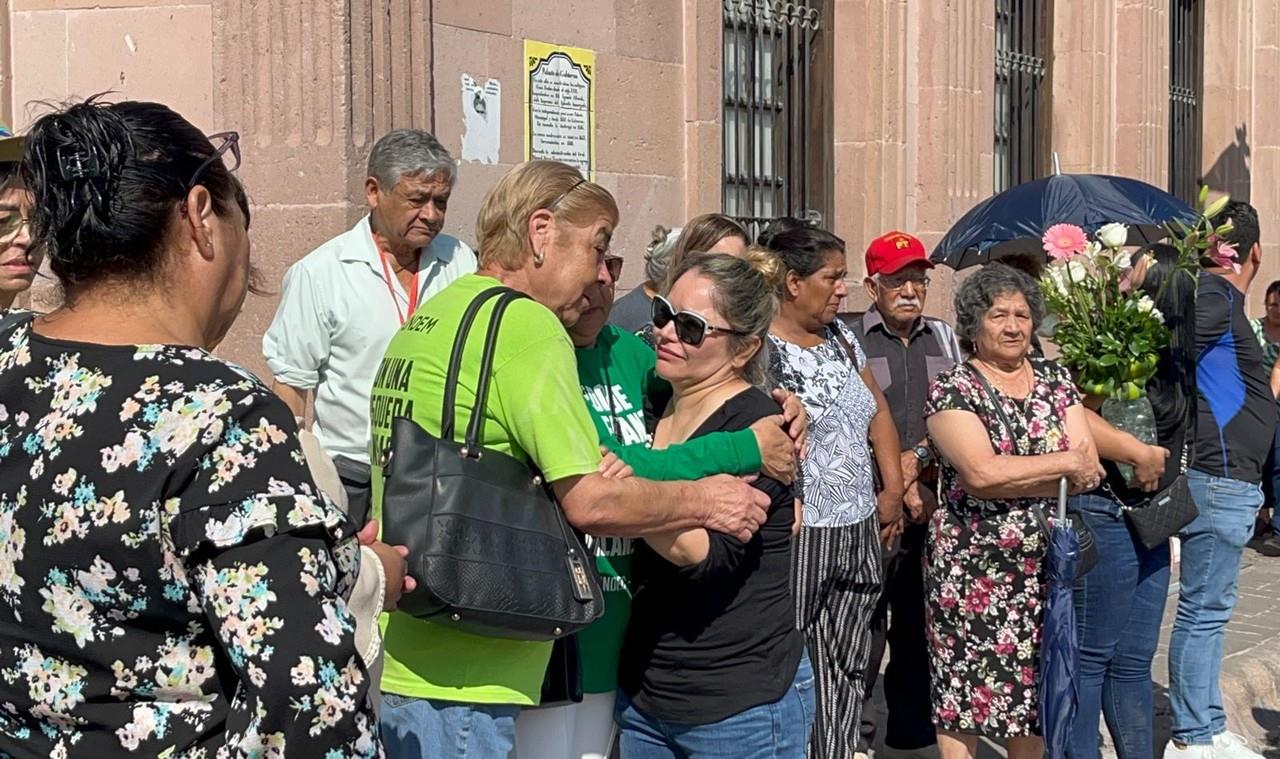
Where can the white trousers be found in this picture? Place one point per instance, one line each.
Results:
(576, 731)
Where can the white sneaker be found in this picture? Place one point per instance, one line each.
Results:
(1228, 745)
(1171, 751)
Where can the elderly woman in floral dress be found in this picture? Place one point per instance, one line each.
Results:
(1007, 428)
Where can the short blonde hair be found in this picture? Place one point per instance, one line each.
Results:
(502, 225)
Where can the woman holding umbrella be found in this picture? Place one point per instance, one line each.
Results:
(1007, 428)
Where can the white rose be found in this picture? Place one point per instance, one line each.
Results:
(1144, 305)
(1113, 235)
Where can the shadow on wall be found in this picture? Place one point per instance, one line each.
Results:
(1230, 173)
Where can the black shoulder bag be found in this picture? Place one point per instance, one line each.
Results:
(1088, 549)
(1164, 514)
(490, 548)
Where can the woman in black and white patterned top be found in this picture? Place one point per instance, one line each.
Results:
(837, 570)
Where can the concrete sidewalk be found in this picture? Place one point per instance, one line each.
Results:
(1251, 658)
(1250, 668)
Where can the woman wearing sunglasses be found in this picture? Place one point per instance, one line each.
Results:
(173, 581)
(712, 657)
(838, 554)
(617, 372)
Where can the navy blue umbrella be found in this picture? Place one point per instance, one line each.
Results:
(1059, 642)
(1016, 219)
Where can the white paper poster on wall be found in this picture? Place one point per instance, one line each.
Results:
(481, 120)
(560, 105)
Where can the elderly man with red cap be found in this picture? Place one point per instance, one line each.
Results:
(905, 350)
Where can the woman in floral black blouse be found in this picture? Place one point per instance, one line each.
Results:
(1008, 427)
(172, 582)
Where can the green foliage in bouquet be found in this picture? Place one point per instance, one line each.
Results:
(1109, 332)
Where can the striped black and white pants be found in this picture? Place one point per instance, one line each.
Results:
(837, 575)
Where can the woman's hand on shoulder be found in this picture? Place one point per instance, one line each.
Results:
(777, 450)
(796, 418)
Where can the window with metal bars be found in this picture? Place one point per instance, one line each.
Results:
(1186, 88)
(777, 111)
(1021, 118)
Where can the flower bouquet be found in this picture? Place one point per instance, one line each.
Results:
(1108, 332)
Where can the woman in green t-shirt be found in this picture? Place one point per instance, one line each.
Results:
(618, 373)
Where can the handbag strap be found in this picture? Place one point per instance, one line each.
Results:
(455, 359)
(471, 444)
(995, 401)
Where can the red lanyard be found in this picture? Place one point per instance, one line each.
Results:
(413, 294)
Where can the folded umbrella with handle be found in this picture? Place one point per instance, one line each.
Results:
(1059, 641)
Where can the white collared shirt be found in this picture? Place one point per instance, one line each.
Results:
(335, 320)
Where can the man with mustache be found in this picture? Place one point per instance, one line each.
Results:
(905, 351)
(343, 302)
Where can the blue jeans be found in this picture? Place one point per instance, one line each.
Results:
(422, 728)
(778, 730)
(1211, 550)
(1119, 607)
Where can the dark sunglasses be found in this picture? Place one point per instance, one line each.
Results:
(614, 265)
(691, 328)
(230, 142)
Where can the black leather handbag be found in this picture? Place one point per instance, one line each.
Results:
(489, 546)
(1164, 514)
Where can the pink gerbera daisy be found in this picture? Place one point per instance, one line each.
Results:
(1064, 241)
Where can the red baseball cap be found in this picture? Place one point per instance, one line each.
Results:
(890, 252)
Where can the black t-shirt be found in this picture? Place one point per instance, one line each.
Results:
(714, 639)
(1236, 417)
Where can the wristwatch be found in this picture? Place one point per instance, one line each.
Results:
(923, 453)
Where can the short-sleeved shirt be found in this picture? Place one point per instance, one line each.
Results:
(338, 310)
(1236, 415)
(535, 412)
(172, 581)
(839, 484)
(1039, 426)
(904, 370)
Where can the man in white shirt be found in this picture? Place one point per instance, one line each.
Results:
(342, 303)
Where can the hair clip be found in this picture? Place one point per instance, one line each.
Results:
(75, 163)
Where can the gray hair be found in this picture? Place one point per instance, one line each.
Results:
(745, 294)
(979, 291)
(409, 152)
(658, 255)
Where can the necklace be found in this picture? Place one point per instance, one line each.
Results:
(1003, 380)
